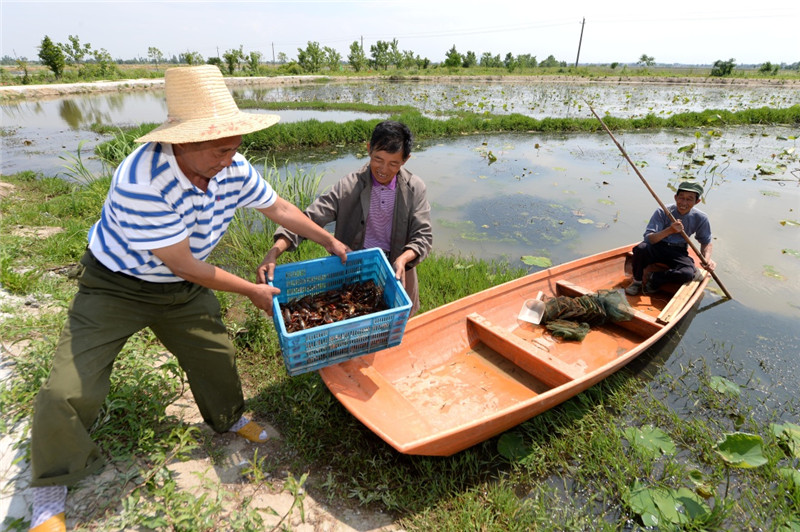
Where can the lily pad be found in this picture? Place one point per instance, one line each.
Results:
(661, 506)
(788, 436)
(542, 262)
(770, 271)
(724, 386)
(790, 223)
(741, 449)
(793, 252)
(511, 446)
(651, 440)
(701, 484)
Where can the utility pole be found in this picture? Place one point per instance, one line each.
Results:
(579, 42)
(273, 53)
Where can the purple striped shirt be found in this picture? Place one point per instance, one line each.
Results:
(381, 213)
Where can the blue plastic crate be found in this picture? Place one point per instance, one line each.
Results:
(317, 347)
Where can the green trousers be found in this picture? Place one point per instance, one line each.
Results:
(107, 310)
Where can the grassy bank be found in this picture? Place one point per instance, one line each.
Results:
(616, 457)
(306, 134)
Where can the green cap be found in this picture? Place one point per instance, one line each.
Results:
(691, 187)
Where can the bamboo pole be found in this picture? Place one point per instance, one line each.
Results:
(661, 204)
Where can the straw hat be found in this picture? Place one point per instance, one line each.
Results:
(200, 107)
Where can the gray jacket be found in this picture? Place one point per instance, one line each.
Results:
(347, 204)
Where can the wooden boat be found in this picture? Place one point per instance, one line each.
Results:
(470, 370)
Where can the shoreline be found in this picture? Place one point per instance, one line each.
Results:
(10, 93)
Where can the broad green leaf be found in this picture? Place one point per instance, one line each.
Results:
(640, 499)
(741, 449)
(650, 439)
(658, 506)
(511, 446)
(680, 506)
(701, 485)
(724, 386)
(770, 271)
(792, 475)
(688, 148)
(542, 262)
(788, 435)
(794, 252)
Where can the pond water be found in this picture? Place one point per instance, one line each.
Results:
(555, 196)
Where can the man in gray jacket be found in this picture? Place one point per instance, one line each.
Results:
(382, 205)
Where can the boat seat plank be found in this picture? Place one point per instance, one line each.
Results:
(527, 355)
(642, 323)
(680, 298)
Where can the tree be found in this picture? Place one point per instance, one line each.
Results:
(104, 63)
(191, 58)
(453, 58)
(526, 61)
(155, 55)
(491, 61)
(549, 62)
(395, 55)
(381, 57)
(470, 60)
(723, 68)
(332, 58)
(52, 56)
(253, 60)
(74, 52)
(312, 58)
(769, 69)
(232, 59)
(282, 57)
(647, 60)
(357, 58)
(509, 62)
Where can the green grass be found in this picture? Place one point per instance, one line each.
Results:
(282, 138)
(575, 467)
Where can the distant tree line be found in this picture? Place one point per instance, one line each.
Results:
(98, 63)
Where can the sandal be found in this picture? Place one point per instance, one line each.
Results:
(54, 524)
(253, 431)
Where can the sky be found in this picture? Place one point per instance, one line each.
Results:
(590, 31)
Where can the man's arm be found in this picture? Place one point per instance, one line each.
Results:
(289, 216)
(179, 259)
(705, 257)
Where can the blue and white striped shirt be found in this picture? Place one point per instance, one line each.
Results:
(151, 204)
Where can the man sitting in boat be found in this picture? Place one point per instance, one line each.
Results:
(663, 242)
(381, 205)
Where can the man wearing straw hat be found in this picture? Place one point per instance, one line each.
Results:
(168, 205)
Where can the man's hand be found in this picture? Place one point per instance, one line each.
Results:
(262, 296)
(339, 249)
(265, 272)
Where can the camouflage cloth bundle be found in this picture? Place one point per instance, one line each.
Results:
(572, 317)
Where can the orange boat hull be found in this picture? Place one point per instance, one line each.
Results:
(470, 370)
